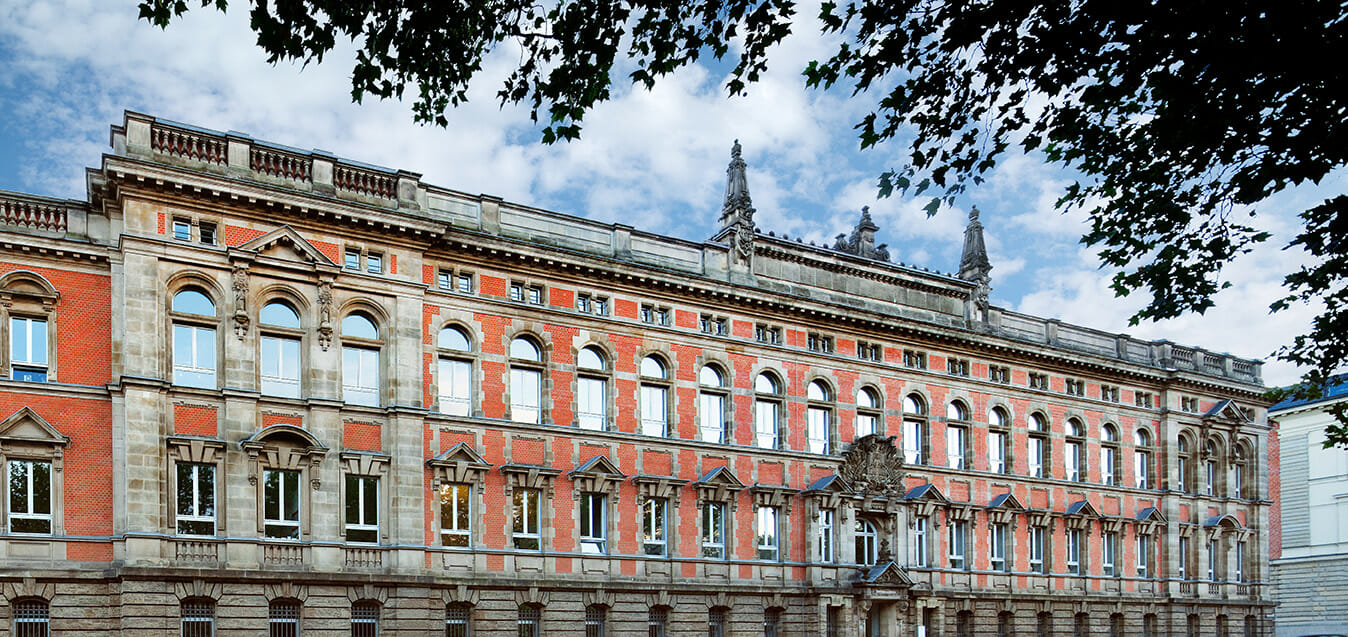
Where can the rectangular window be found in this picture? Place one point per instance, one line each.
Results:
(997, 451)
(957, 367)
(1182, 564)
(1240, 561)
(768, 334)
(28, 349)
(1142, 469)
(362, 509)
(593, 523)
(914, 359)
(1212, 561)
(528, 621)
(711, 413)
(455, 387)
(999, 374)
(820, 343)
(456, 515)
(1037, 549)
(1210, 477)
(30, 496)
(594, 621)
(1036, 457)
(654, 410)
(765, 424)
(374, 263)
(833, 621)
(526, 395)
(817, 430)
(525, 519)
(1108, 551)
(207, 231)
(1075, 387)
(198, 618)
(767, 533)
(365, 620)
(283, 619)
(654, 537)
(442, 279)
(1072, 461)
(1109, 393)
(956, 543)
(456, 621)
(1143, 555)
(517, 292)
(997, 547)
(182, 229)
(280, 366)
(1237, 481)
(1142, 399)
(771, 619)
(281, 504)
(583, 303)
(713, 530)
(193, 356)
(195, 511)
(536, 294)
(656, 619)
(869, 351)
(955, 445)
(1074, 551)
(1108, 464)
(1038, 381)
(824, 538)
(590, 403)
(465, 283)
(920, 542)
(647, 313)
(352, 261)
(716, 623)
(360, 376)
(865, 424)
(716, 325)
(913, 437)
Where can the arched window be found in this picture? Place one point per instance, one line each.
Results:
(957, 435)
(457, 619)
(29, 311)
(530, 619)
(654, 397)
(819, 418)
(198, 617)
(360, 360)
(592, 389)
(32, 617)
(1241, 471)
(868, 413)
(999, 441)
(526, 381)
(279, 344)
(767, 411)
(1184, 463)
(1212, 468)
(914, 429)
(365, 618)
(194, 321)
(1074, 451)
(1037, 451)
(455, 373)
(596, 617)
(711, 406)
(867, 543)
(1142, 459)
(283, 618)
(1110, 469)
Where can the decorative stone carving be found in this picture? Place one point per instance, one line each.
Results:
(873, 465)
(974, 265)
(240, 286)
(737, 213)
(325, 313)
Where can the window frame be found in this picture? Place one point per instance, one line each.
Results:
(825, 535)
(360, 392)
(458, 615)
(655, 526)
(520, 370)
(529, 620)
(767, 537)
(1037, 549)
(654, 393)
(713, 399)
(1037, 463)
(364, 508)
(455, 396)
(29, 493)
(526, 513)
(596, 620)
(452, 504)
(194, 612)
(298, 522)
(916, 430)
(999, 559)
(872, 413)
(712, 521)
(1142, 455)
(957, 549)
(31, 610)
(1111, 454)
(284, 612)
(197, 326)
(921, 542)
(1109, 553)
(764, 402)
(1075, 468)
(866, 542)
(592, 522)
(1072, 552)
(365, 614)
(194, 516)
(27, 369)
(820, 411)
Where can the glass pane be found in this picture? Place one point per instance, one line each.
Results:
(270, 351)
(193, 302)
(290, 359)
(279, 314)
(464, 519)
(42, 488)
(182, 346)
(590, 358)
(292, 495)
(817, 391)
(651, 367)
(186, 482)
(206, 489)
(523, 349)
(710, 377)
(18, 486)
(271, 495)
(205, 347)
(359, 326)
(370, 492)
(455, 339)
(765, 384)
(18, 339)
(352, 500)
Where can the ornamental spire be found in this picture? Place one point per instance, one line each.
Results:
(974, 264)
(737, 213)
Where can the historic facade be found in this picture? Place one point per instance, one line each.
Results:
(1310, 518)
(251, 390)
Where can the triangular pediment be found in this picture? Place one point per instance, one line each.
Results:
(25, 425)
(285, 243)
(460, 452)
(886, 574)
(926, 492)
(1227, 411)
(1151, 514)
(1007, 502)
(600, 464)
(1082, 508)
(829, 484)
(720, 476)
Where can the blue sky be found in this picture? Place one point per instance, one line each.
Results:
(655, 160)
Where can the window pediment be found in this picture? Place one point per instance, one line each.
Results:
(827, 492)
(771, 495)
(459, 464)
(1004, 508)
(284, 447)
(195, 449)
(925, 499)
(717, 485)
(659, 487)
(364, 463)
(285, 243)
(529, 476)
(597, 475)
(27, 431)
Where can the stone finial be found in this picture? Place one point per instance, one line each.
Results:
(862, 241)
(737, 213)
(974, 264)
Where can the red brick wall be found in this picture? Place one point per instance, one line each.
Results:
(361, 436)
(195, 421)
(1274, 491)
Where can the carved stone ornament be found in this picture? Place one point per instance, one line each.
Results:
(873, 465)
(325, 314)
(240, 286)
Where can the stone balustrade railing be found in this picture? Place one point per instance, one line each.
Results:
(365, 181)
(196, 551)
(185, 143)
(364, 557)
(32, 215)
(281, 164)
(283, 554)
